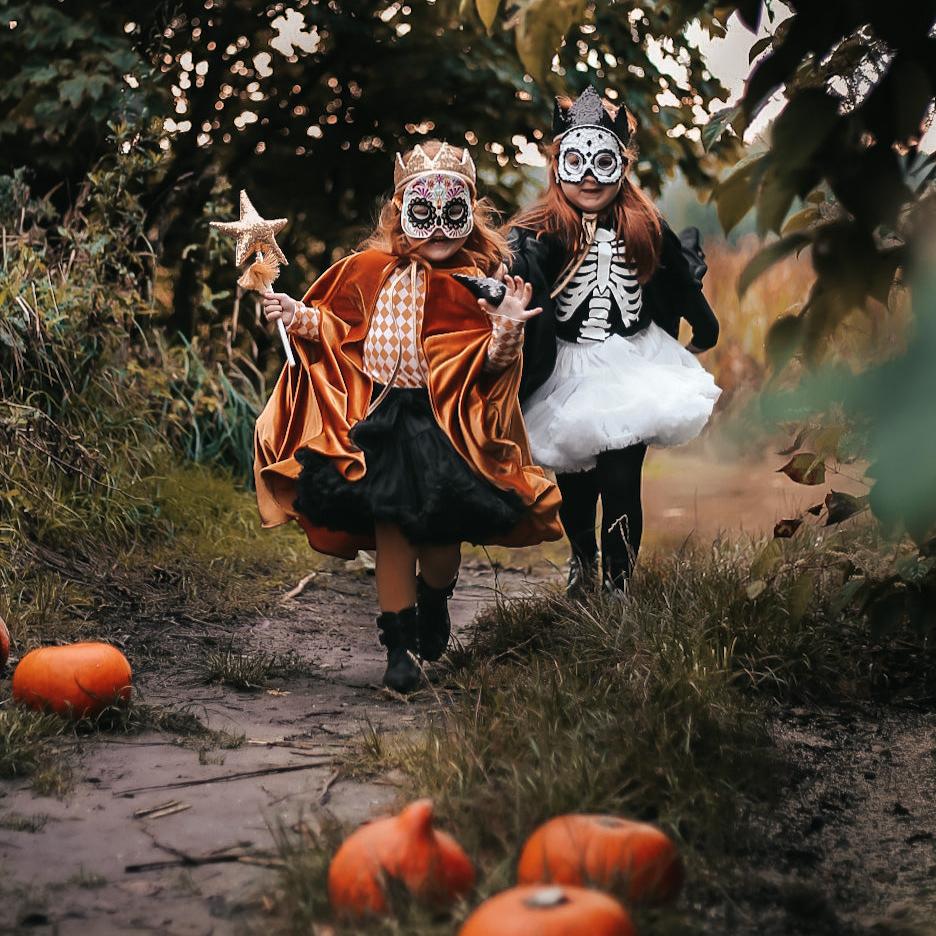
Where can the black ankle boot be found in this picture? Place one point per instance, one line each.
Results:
(615, 576)
(435, 625)
(582, 574)
(400, 635)
(616, 587)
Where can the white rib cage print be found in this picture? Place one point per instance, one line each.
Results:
(602, 275)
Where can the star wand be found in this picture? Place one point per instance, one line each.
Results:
(257, 236)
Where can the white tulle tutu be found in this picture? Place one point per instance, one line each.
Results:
(614, 393)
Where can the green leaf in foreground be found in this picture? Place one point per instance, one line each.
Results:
(720, 122)
(783, 341)
(734, 196)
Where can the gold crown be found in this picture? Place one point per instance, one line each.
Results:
(444, 160)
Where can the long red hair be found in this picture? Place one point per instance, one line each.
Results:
(486, 247)
(632, 214)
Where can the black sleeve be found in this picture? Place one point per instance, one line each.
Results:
(690, 239)
(531, 259)
(685, 291)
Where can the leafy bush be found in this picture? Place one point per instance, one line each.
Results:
(98, 409)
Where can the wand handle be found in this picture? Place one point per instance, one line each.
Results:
(287, 347)
(281, 328)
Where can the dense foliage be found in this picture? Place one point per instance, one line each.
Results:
(305, 105)
(97, 416)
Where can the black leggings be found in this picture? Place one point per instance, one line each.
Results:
(616, 479)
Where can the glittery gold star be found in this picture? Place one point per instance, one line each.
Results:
(253, 233)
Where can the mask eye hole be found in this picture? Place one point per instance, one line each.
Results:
(420, 212)
(605, 163)
(456, 211)
(573, 161)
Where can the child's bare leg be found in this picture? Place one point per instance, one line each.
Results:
(398, 621)
(438, 570)
(396, 568)
(438, 565)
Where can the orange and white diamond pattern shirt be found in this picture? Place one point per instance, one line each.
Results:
(394, 330)
(396, 325)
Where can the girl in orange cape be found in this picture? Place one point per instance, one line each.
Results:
(399, 429)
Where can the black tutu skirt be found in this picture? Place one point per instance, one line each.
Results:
(414, 479)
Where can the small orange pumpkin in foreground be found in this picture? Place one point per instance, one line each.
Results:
(4, 643)
(404, 851)
(635, 859)
(78, 680)
(549, 911)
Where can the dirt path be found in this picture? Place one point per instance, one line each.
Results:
(71, 872)
(853, 841)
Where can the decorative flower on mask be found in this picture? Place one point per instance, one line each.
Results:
(437, 200)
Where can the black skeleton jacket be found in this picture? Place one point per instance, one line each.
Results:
(672, 293)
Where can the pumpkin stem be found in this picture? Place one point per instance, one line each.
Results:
(547, 897)
(417, 817)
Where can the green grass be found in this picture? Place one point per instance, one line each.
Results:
(203, 554)
(26, 738)
(124, 458)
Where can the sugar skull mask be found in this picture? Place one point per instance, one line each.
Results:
(437, 200)
(590, 149)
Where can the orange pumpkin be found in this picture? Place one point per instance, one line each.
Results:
(402, 851)
(549, 911)
(4, 643)
(634, 859)
(78, 680)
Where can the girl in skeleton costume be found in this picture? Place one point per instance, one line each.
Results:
(400, 429)
(603, 374)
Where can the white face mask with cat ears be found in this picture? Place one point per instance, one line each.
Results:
(590, 149)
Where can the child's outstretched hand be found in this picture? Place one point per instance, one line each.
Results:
(515, 301)
(279, 306)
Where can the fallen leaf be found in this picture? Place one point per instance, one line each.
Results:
(796, 443)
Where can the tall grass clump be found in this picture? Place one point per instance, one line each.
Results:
(657, 707)
(102, 415)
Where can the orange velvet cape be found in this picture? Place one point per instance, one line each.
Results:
(315, 404)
